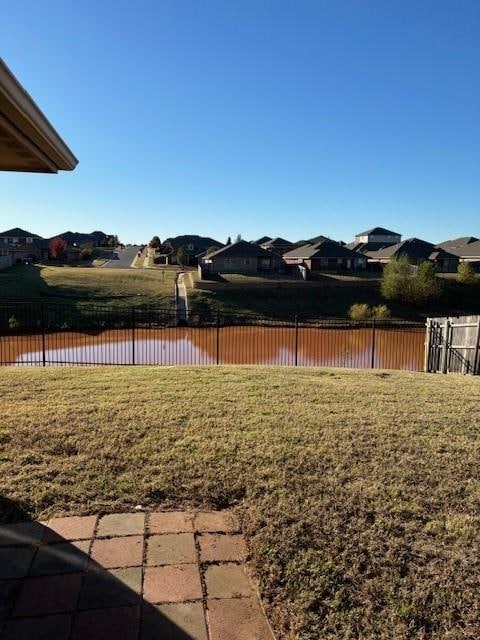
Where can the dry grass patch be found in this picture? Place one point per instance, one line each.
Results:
(87, 285)
(361, 489)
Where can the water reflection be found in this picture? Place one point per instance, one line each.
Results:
(393, 349)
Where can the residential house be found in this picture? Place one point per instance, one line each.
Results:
(76, 239)
(240, 257)
(417, 251)
(193, 245)
(21, 245)
(325, 255)
(467, 249)
(374, 240)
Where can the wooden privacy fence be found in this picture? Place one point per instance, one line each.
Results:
(453, 345)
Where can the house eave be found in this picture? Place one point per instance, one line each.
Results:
(28, 141)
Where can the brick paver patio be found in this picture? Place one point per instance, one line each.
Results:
(130, 576)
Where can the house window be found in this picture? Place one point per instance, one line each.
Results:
(190, 247)
(246, 262)
(324, 262)
(29, 240)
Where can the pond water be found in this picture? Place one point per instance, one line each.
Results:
(393, 348)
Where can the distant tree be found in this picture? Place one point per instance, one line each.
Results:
(154, 242)
(424, 285)
(238, 238)
(466, 273)
(182, 257)
(58, 248)
(401, 281)
(229, 240)
(113, 241)
(396, 275)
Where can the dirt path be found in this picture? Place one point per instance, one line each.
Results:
(182, 299)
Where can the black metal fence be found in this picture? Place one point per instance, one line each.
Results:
(52, 334)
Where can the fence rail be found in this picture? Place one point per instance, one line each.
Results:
(52, 334)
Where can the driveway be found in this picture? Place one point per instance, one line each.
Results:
(123, 258)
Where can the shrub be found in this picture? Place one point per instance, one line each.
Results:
(364, 312)
(381, 312)
(13, 323)
(86, 253)
(466, 273)
(401, 282)
(359, 312)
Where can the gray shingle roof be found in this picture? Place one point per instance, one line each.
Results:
(241, 249)
(322, 249)
(277, 242)
(378, 231)
(17, 232)
(413, 248)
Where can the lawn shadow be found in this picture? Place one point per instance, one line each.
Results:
(51, 589)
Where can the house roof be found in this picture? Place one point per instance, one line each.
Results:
(200, 243)
(277, 242)
(81, 238)
(322, 249)
(16, 232)
(241, 249)
(317, 239)
(262, 240)
(367, 247)
(468, 250)
(413, 248)
(458, 242)
(28, 141)
(378, 231)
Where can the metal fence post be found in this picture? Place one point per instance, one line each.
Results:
(133, 336)
(43, 334)
(217, 325)
(296, 340)
(372, 360)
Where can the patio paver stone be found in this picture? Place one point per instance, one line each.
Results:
(237, 619)
(171, 548)
(227, 580)
(70, 528)
(172, 583)
(216, 521)
(114, 553)
(218, 547)
(174, 621)
(170, 522)
(121, 524)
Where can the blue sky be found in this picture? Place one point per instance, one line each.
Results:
(291, 118)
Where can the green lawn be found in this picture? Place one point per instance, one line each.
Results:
(332, 297)
(359, 491)
(87, 285)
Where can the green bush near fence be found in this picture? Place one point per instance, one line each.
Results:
(365, 312)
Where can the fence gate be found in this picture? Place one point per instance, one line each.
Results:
(453, 345)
